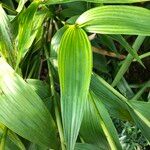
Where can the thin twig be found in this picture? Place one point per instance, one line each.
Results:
(107, 53)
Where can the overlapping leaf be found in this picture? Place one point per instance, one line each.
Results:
(113, 103)
(140, 112)
(22, 110)
(129, 20)
(75, 66)
(101, 124)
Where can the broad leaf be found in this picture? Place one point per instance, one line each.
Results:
(22, 110)
(94, 1)
(129, 20)
(75, 67)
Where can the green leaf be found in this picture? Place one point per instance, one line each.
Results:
(94, 1)
(6, 38)
(75, 67)
(21, 4)
(136, 46)
(91, 130)
(129, 20)
(24, 39)
(114, 103)
(12, 139)
(105, 123)
(140, 112)
(85, 146)
(55, 43)
(127, 47)
(131, 110)
(22, 110)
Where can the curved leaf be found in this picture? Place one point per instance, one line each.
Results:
(130, 20)
(22, 110)
(93, 1)
(75, 67)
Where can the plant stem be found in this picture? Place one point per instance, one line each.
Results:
(143, 56)
(137, 44)
(3, 139)
(54, 94)
(141, 91)
(9, 9)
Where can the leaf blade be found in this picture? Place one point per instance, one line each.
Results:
(74, 55)
(116, 20)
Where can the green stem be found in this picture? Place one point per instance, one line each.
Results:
(137, 44)
(143, 56)
(141, 91)
(3, 139)
(9, 9)
(54, 94)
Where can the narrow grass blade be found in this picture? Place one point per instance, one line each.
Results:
(136, 46)
(25, 28)
(75, 67)
(127, 47)
(6, 38)
(21, 4)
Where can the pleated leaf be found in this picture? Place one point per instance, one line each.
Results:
(22, 110)
(74, 66)
(94, 1)
(130, 20)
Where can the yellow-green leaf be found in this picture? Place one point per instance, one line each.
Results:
(116, 19)
(22, 110)
(75, 67)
